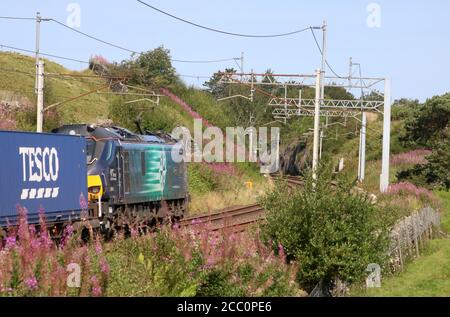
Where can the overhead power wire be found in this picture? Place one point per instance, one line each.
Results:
(44, 54)
(239, 66)
(133, 51)
(94, 38)
(194, 76)
(9, 70)
(321, 53)
(75, 60)
(180, 19)
(206, 62)
(107, 43)
(221, 31)
(86, 62)
(16, 18)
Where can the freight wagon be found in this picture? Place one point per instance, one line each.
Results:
(42, 172)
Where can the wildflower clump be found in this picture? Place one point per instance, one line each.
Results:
(197, 261)
(34, 264)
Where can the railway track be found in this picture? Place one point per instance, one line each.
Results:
(235, 219)
(292, 181)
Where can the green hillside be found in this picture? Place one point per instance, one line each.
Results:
(20, 80)
(17, 81)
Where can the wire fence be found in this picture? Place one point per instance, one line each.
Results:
(411, 235)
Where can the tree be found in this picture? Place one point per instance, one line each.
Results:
(404, 109)
(338, 93)
(374, 96)
(151, 69)
(430, 122)
(242, 112)
(217, 89)
(331, 233)
(429, 126)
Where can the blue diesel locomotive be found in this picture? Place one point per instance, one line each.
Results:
(131, 176)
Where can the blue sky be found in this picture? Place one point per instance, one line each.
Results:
(412, 44)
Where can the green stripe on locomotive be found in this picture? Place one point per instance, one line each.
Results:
(153, 175)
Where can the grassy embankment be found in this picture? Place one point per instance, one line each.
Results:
(429, 275)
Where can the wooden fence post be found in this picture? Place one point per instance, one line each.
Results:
(399, 246)
(416, 235)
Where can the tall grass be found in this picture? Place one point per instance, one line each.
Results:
(217, 186)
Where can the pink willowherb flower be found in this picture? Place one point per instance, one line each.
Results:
(31, 283)
(222, 168)
(210, 262)
(98, 246)
(35, 243)
(281, 252)
(413, 157)
(10, 242)
(99, 59)
(67, 234)
(104, 266)
(196, 222)
(6, 290)
(134, 232)
(46, 240)
(83, 202)
(411, 189)
(32, 229)
(96, 288)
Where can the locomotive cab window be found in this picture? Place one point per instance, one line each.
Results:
(90, 150)
(126, 172)
(143, 165)
(109, 150)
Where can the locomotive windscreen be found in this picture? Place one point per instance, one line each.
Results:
(90, 150)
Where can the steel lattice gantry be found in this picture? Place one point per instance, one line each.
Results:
(286, 108)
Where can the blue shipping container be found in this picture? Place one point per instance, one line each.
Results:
(42, 171)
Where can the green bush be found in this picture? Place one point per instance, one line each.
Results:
(435, 173)
(331, 232)
(201, 178)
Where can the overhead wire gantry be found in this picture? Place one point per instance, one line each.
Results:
(285, 108)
